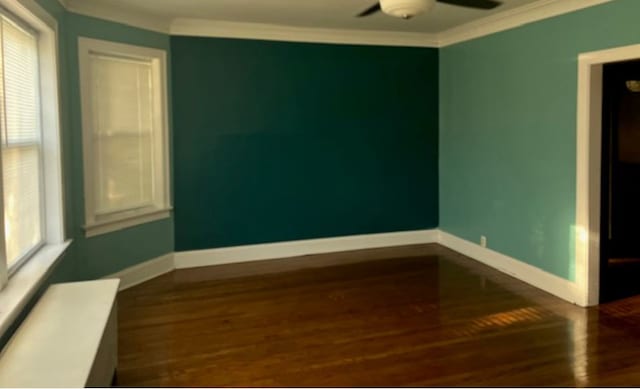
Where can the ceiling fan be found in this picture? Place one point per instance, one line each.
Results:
(406, 9)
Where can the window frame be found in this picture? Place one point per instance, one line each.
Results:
(21, 280)
(97, 223)
(19, 23)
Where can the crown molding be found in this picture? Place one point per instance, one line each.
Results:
(517, 17)
(502, 21)
(225, 29)
(112, 13)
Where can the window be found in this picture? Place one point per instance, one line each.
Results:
(125, 135)
(30, 194)
(21, 142)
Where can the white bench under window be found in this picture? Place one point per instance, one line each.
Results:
(69, 339)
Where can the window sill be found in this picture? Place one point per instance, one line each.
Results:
(26, 281)
(119, 224)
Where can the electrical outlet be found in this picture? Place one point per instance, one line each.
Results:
(483, 241)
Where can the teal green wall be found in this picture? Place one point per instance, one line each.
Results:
(508, 132)
(280, 141)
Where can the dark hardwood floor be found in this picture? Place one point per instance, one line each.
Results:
(416, 315)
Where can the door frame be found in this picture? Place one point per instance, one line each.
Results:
(588, 167)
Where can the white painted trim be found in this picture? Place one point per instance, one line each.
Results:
(51, 123)
(225, 29)
(513, 18)
(532, 275)
(588, 160)
(161, 202)
(102, 10)
(26, 281)
(131, 221)
(144, 271)
(53, 176)
(36, 18)
(501, 21)
(259, 252)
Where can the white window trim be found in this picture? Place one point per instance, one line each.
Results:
(23, 284)
(122, 220)
(26, 281)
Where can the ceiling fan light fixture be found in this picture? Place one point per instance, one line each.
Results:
(406, 9)
(633, 86)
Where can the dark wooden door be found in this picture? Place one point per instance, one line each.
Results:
(620, 236)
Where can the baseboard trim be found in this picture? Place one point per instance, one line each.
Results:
(260, 252)
(532, 275)
(144, 271)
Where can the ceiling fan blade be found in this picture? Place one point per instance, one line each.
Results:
(479, 4)
(370, 11)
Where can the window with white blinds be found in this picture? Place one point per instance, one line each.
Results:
(122, 91)
(124, 119)
(21, 137)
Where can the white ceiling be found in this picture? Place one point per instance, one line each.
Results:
(332, 14)
(329, 21)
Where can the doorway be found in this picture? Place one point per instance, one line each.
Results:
(620, 185)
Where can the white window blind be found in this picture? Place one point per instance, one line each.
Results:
(123, 152)
(125, 135)
(20, 124)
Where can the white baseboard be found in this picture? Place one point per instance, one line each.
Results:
(532, 275)
(144, 271)
(259, 252)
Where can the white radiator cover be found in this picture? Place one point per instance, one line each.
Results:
(69, 339)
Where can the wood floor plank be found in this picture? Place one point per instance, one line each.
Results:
(405, 316)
